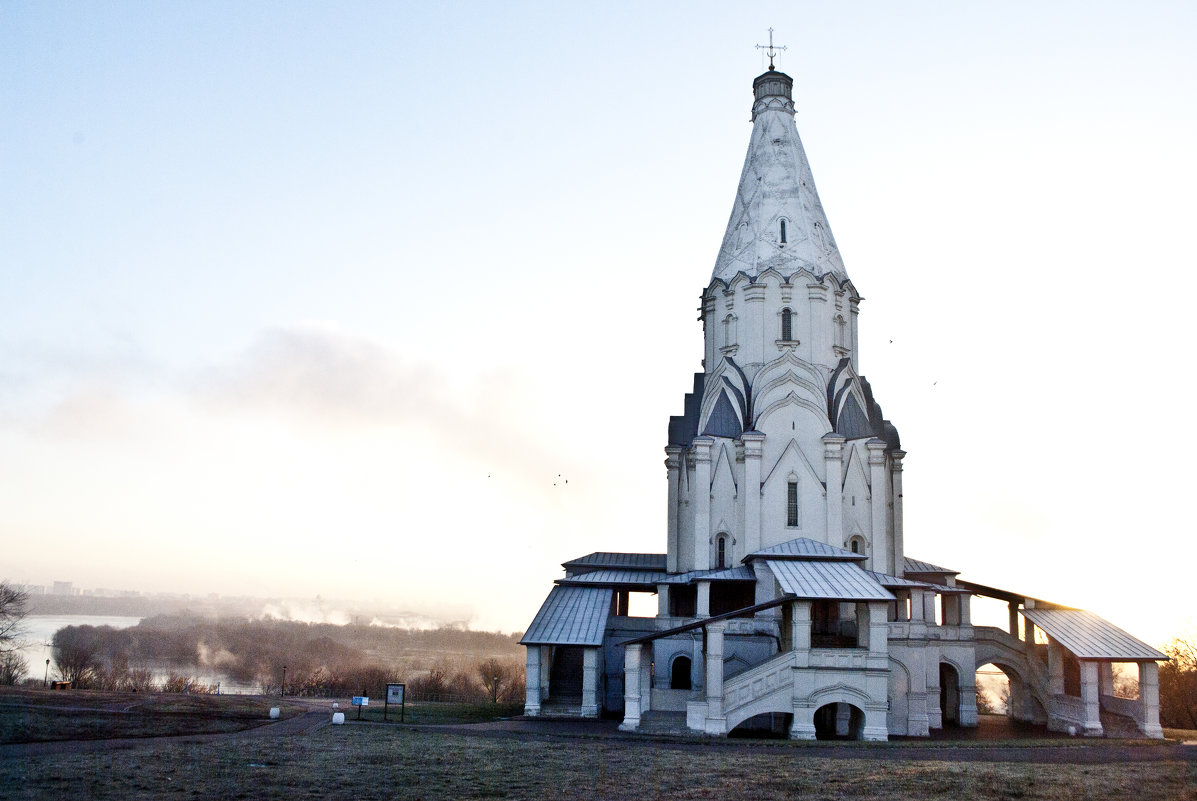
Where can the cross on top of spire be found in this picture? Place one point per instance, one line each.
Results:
(771, 49)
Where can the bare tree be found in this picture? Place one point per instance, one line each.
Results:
(1178, 683)
(14, 606)
(13, 667)
(76, 654)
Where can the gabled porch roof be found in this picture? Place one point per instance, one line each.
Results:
(1088, 636)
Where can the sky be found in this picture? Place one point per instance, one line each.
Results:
(392, 301)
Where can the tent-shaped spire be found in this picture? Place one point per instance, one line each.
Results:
(777, 220)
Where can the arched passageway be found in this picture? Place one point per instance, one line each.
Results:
(679, 673)
(949, 694)
(839, 721)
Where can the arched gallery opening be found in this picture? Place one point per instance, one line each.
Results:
(949, 694)
(840, 721)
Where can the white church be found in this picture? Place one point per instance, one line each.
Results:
(786, 602)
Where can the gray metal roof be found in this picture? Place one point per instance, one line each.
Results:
(571, 616)
(615, 577)
(915, 566)
(627, 561)
(1088, 636)
(740, 573)
(837, 580)
(804, 548)
(893, 581)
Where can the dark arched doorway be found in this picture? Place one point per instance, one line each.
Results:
(679, 673)
(838, 722)
(949, 694)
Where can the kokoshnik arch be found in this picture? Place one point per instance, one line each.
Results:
(785, 596)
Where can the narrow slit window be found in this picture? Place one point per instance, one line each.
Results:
(783, 232)
(787, 325)
(721, 560)
(792, 503)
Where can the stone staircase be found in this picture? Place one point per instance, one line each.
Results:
(656, 722)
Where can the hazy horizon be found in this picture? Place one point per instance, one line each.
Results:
(388, 301)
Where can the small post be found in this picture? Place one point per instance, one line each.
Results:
(46, 678)
(495, 689)
(282, 689)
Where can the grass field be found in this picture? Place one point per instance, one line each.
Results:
(377, 762)
(368, 762)
(39, 716)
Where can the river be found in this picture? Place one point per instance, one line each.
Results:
(39, 630)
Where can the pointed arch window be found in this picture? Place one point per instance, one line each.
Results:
(839, 330)
(721, 552)
(787, 324)
(792, 503)
(729, 330)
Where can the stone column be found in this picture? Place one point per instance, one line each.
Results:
(930, 598)
(918, 723)
(803, 727)
(754, 442)
(1091, 726)
(931, 677)
(757, 332)
(590, 675)
(833, 474)
(1055, 667)
(820, 347)
(714, 685)
(672, 544)
(1105, 678)
(918, 619)
(663, 600)
(800, 623)
(1012, 608)
(899, 544)
(532, 682)
(880, 559)
(853, 340)
(766, 590)
(704, 599)
(1149, 700)
(878, 628)
(631, 688)
(701, 493)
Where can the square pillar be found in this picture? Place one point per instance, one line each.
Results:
(532, 682)
(701, 495)
(714, 685)
(704, 599)
(663, 600)
(1055, 667)
(902, 613)
(879, 558)
(765, 591)
(878, 628)
(754, 443)
(833, 474)
(631, 688)
(590, 673)
(899, 545)
(672, 545)
(1149, 700)
(1091, 726)
(800, 624)
(1012, 609)
(1105, 678)
(930, 598)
